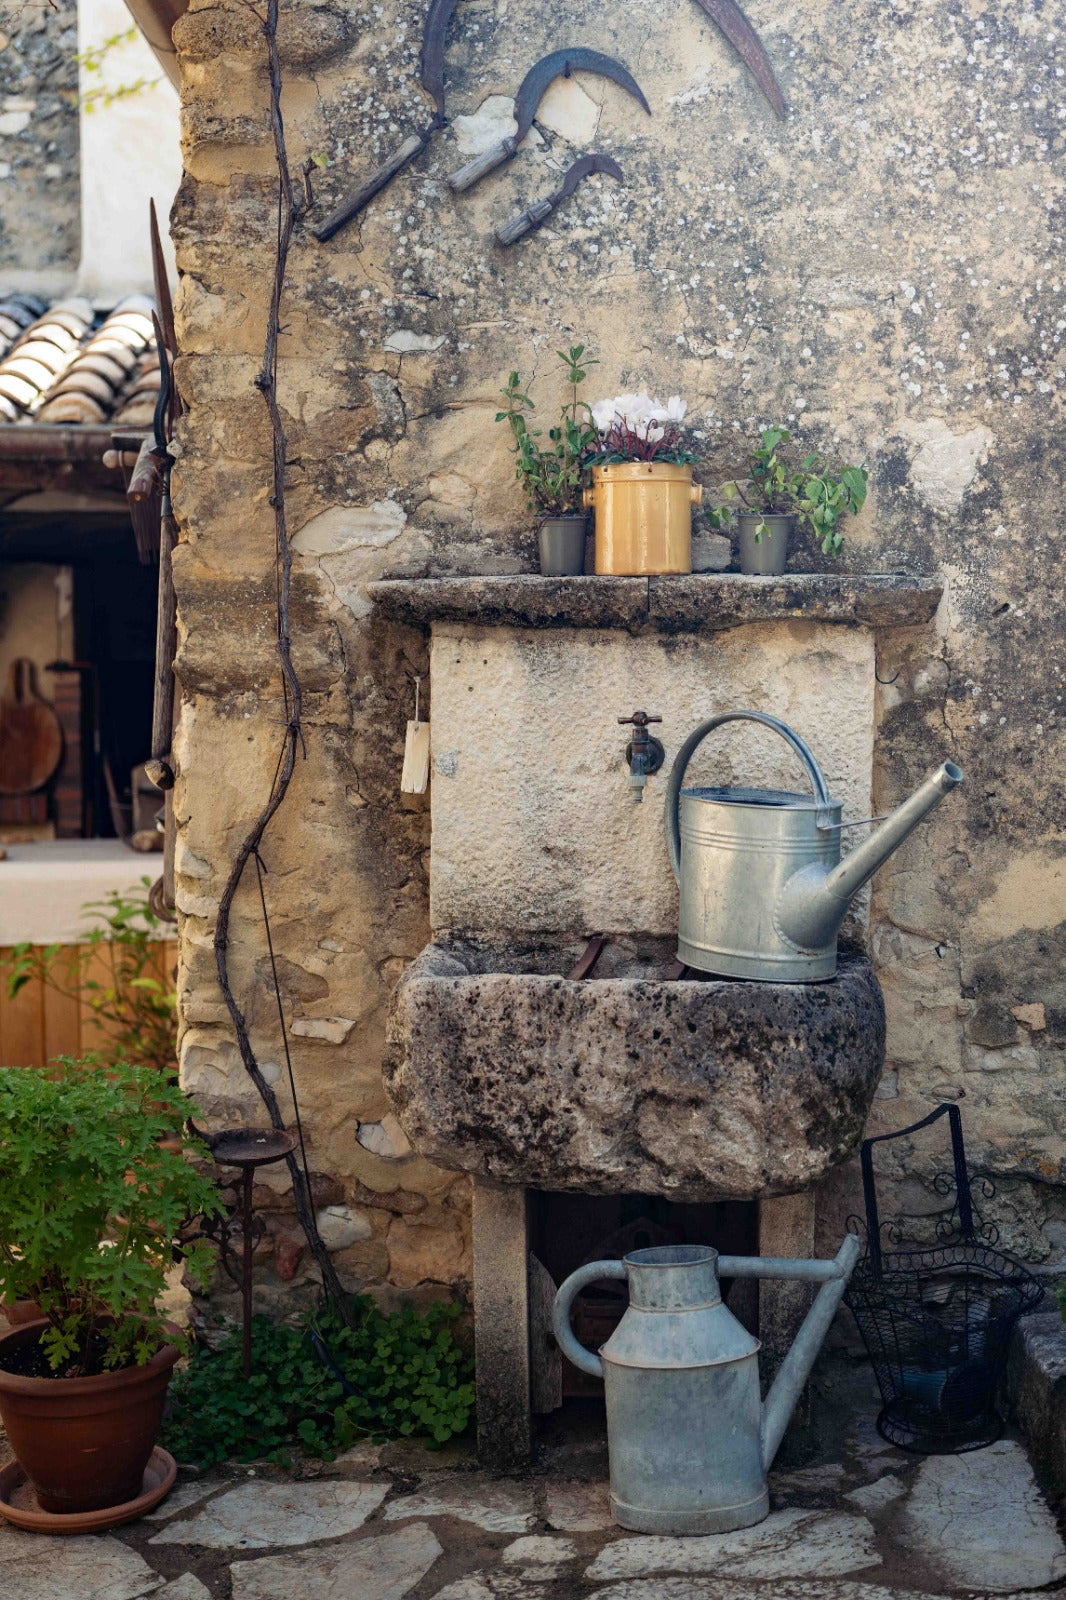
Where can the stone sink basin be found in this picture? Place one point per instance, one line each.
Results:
(627, 1082)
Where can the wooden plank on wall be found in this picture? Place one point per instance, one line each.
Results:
(22, 1026)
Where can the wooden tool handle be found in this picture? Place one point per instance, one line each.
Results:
(521, 224)
(160, 768)
(476, 169)
(388, 170)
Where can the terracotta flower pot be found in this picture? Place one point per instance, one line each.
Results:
(83, 1442)
(18, 1312)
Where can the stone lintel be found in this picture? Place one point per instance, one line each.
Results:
(700, 603)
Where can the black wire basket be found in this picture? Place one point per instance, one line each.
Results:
(936, 1318)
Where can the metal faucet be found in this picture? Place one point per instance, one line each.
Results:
(644, 753)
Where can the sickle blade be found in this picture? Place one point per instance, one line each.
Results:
(561, 63)
(434, 35)
(746, 42)
(582, 168)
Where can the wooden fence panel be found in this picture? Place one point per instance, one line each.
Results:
(42, 1023)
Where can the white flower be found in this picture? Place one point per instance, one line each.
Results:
(639, 414)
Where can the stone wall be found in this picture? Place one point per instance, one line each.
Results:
(883, 271)
(39, 211)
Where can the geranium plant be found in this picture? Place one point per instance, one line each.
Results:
(91, 1204)
(638, 427)
(777, 484)
(550, 467)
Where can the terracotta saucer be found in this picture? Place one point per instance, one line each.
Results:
(18, 1503)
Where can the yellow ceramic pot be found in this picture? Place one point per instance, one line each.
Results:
(643, 517)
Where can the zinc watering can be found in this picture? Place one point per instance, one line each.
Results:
(689, 1440)
(763, 888)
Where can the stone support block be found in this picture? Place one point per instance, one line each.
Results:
(501, 1324)
(786, 1228)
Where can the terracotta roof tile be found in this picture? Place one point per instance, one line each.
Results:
(66, 364)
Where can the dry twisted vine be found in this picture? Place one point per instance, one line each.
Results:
(291, 208)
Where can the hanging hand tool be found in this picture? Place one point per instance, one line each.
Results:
(520, 224)
(534, 86)
(431, 77)
(727, 15)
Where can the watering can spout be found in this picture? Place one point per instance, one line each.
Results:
(785, 1391)
(814, 901)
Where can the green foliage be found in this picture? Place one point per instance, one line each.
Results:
(321, 1385)
(133, 1002)
(92, 61)
(91, 1204)
(550, 471)
(815, 493)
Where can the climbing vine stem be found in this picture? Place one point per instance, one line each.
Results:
(292, 204)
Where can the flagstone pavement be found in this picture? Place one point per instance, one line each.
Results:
(861, 1521)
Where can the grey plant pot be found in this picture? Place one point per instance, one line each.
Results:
(562, 546)
(764, 557)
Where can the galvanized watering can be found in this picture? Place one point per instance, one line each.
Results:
(689, 1441)
(763, 888)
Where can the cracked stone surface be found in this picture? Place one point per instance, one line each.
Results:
(258, 1515)
(958, 1512)
(497, 1508)
(712, 1589)
(35, 1567)
(187, 1587)
(789, 1544)
(383, 1568)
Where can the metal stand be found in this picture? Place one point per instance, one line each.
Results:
(247, 1149)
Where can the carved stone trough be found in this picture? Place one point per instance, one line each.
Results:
(627, 1082)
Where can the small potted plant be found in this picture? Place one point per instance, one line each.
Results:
(92, 1197)
(780, 491)
(551, 469)
(642, 486)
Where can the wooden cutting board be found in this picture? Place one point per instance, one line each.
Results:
(31, 739)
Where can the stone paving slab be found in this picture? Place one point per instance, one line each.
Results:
(258, 1516)
(386, 1567)
(789, 1544)
(495, 1507)
(576, 1507)
(86, 1567)
(980, 1521)
(185, 1495)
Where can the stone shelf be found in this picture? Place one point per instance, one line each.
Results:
(628, 1082)
(700, 603)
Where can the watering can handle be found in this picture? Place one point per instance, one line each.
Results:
(568, 1293)
(688, 750)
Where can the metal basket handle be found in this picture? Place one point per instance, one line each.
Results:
(688, 750)
(958, 1160)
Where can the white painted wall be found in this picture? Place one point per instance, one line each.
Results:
(130, 153)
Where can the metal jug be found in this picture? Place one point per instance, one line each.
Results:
(763, 888)
(689, 1440)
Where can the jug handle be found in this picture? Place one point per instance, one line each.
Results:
(568, 1292)
(688, 750)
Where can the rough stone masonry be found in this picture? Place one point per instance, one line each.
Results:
(882, 271)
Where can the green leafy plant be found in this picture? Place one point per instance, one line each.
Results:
(91, 1203)
(779, 485)
(132, 1000)
(320, 1385)
(550, 469)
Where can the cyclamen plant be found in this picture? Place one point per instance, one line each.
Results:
(637, 427)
